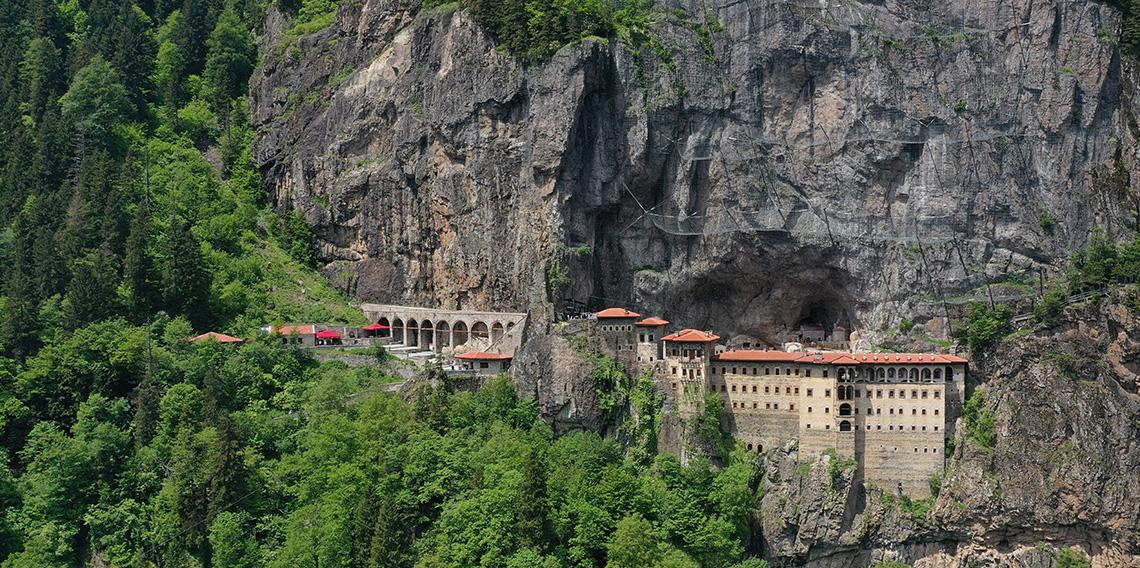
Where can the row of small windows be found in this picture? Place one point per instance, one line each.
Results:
(617, 328)
(767, 389)
(687, 353)
(845, 426)
(645, 337)
(881, 373)
(756, 405)
(690, 372)
(845, 410)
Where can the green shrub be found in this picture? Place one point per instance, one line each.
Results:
(906, 325)
(960, 106)
(985, 326)
(980, 422)
(1049, 310)
(1072, 558)
(1048, 223)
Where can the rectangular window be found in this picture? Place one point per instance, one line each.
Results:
(755, 404)
(891, 394)
(935, 428)
(827, 393)
(674, 385)
(878, 426)
(924, 394)
(858, 393)
(913, 411)
(924, 412)
(777, 370)
(733, 388)
(825, 373)
(809, 392)
(878, 411)
(807, 373)
(937, 394)
(768, 405)
(484, 365)
(734, 370)
(791, 407)
(767, 371)
(723, 389)
(766, 389)
(776, 406)
(797, 390)
(936, 412)
(826, 410)
(892, 411)
(753, 388)
(878, 394)
(914, 394)
(797, 371)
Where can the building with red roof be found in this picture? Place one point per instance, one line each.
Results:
(214, 336)
(485, 362)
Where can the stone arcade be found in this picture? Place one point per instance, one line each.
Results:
(891, 412)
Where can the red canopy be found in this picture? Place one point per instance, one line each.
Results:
(375, 327)
(327, 334)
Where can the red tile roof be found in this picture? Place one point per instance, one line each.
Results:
(483, 356)
(297, 329)
(617, 313)
(214, 336)
(839, 358)
(746, 355)
(691, 336)
(652, 322)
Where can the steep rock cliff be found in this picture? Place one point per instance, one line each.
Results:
(854, 163)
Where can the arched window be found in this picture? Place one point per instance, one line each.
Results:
(844, 425)
(926, 374)
(882, 373)
(913, 374)
(891, 373)
(938, 374)
(845, 409)
(850, 393)
(398, 330)
(412, 333)
(949, 374)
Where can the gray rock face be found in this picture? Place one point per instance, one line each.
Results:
(858, 162)
(861, 162)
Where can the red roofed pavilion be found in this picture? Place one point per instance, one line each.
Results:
(691, 336)
(617, 313)
(215, 336)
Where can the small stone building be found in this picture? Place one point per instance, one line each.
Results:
(484, 363)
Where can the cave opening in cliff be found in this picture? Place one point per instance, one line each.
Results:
(821, 318)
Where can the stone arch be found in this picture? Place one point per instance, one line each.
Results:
(845, 409)
(891, 373)
(442, 335)
(913, 374)
(844, 425)
(386, 332)
(926, 374)
(479, 330)
(949, 374)
(459, 331)
(882, 374)
(412, 333)
(427, 335)
(496, 331)
(938, 374)
(398, 330)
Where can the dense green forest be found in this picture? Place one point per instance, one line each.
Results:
(133, 217)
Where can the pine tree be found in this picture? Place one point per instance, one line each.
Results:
(138, 269)
(91, 292)
(187, 285)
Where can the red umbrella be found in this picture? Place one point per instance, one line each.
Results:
(328, 334)
(375, 327)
